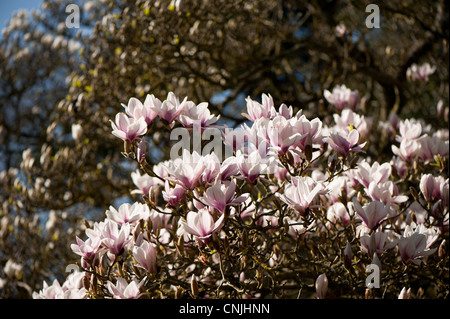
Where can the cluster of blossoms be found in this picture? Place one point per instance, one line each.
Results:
(292, 192)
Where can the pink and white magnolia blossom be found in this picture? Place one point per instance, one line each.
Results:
(386, 192)
(72, 288)
(349, 120)
(338, 213)
(281, 133)
(256, 110)
(173, 195)
(301, 193)
(407, 150)
(128, 129)
(88, 249)
(114, 239)
(430, 186)
(229, 168)
(342, 97)
(416, 243)
(197, 115)
(223, 194)
(310, 130)
(127, 213)
(211, 169)
(377, 242)
(343, 143)
(124, 290)
(170, 109)
(420, 72)
(135, 109)
(430, 146)
(250, 166)
(144, 182)
(201, 224)
(366, 173)
(145, 255)
(371, 214)
(409, 129)
(186, 171)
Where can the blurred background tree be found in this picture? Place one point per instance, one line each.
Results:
(60, 86)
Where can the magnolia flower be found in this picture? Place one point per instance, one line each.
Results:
(128, 129)
(113, 238)
(409, 129)
(337, 213)
(137, 110)
(431, 146)
(301, 193)
(201, 224)
(377, 243)
(222, 194)
(200, 115)
(430, 186)
(321, 286)
(145, 255)
(171, 108)
(376, 173)
(414, 247)
(407, 151)
(344, 144)
(282, 133)
(250, 166)
(72, 288)
(371, 214)
(211, 169)
(127, 213)
(186, 171)
(229, 168)
(256, 110)
(144, 182)
(420, 73)
(124, 290)
(87, 249)
(416, 242)
(342, 97)
(173, 195)
(385, 192)
(349, 120)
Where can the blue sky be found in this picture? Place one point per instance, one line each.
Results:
(7, 7)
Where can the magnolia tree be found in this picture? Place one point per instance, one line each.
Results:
(283, 206)
(371, 99)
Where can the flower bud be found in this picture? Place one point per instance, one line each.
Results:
(321, 286)
(348, 256)
(442, 249)
(194, 286)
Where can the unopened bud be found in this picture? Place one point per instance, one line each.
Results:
(348, 256)
(442, 249)
(180, 245)
(368, 294)
(194, 286)
(178, 293)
